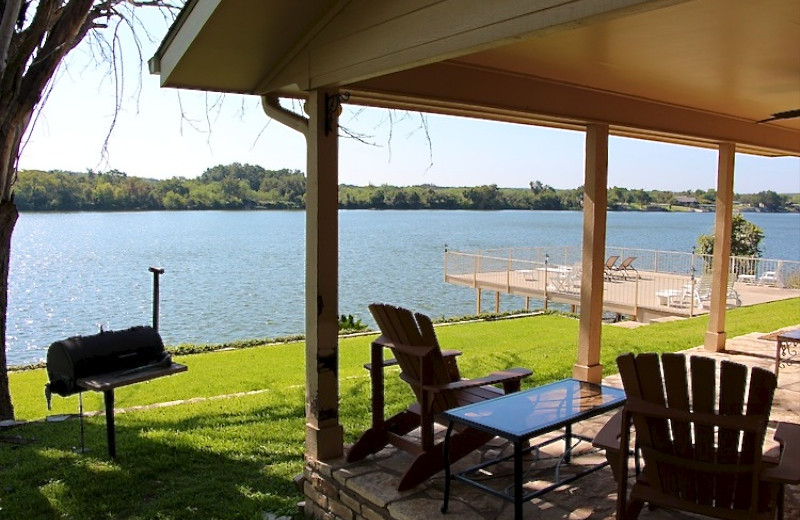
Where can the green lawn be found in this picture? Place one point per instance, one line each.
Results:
(234, 457)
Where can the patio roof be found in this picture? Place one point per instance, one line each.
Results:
(702, 72)
(697, 72)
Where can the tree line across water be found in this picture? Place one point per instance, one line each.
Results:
(245, 186)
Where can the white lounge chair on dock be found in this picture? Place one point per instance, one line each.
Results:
(703, 290)
(768, 278)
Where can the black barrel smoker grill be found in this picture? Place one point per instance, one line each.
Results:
(108, 360)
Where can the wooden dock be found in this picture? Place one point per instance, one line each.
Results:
(645, 297)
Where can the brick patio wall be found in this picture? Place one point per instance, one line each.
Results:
(328, 496)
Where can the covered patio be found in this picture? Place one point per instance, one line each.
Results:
(709, 73)
(368, 489)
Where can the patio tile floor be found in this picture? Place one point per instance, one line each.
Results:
(591, 497)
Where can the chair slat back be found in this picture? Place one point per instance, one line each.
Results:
(700, 446)
(441, 373)
(731, 402)
(759, 402)
(401, 326)
(677, 390)
(703, 396)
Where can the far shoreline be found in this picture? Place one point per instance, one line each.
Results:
(616, 209)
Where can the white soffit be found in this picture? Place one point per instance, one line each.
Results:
(739, 58)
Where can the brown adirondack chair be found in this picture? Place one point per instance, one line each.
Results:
(701, 444)
(434, 377)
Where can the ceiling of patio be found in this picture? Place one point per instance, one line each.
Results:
(706, 69)
(730, 57)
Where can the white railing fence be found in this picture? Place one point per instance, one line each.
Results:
(671, 280)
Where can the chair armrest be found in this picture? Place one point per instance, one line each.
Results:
(788, 469)
(446, 354)
(608, 438)
(503, 376)
(386, 363)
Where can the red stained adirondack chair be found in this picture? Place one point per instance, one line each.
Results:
(434, 377)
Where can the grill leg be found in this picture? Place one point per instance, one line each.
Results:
(80, 404)
(108, 397)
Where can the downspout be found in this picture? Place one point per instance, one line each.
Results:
(272, 107)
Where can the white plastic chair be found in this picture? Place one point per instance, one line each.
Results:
(768, 278)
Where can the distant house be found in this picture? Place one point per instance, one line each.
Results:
(683, 200)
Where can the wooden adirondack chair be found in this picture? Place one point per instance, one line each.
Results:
(434, 377)
(701, 444)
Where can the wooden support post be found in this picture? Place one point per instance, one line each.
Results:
(480, 295)
(324, 434)
(527, 303)
(595, 200)
(497, 302)
(723, 224)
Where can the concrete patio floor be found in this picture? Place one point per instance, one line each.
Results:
(374, 480)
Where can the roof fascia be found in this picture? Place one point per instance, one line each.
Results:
(181, 34)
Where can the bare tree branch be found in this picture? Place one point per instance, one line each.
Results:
(68, 30)
(424, 123)
(361, 138)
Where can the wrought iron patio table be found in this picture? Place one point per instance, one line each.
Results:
(521, 416)
(786, 347)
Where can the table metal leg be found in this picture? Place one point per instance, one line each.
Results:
(446, 452)
(108, 397)
(568, 443)
(518, 498)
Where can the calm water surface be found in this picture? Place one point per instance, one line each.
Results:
(238, 275)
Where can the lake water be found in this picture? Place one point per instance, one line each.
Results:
(239, 275)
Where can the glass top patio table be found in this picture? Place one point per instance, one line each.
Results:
(525, 414)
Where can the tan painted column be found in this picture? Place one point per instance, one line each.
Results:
(595, 201)
(715, 335)
(324, 434)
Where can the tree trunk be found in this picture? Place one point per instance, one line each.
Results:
(8, 218)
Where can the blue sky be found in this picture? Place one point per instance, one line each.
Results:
(161, 133)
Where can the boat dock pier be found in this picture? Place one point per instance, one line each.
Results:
(657, 284)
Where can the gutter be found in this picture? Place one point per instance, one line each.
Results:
(272, 107)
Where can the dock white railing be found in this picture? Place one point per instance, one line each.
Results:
(670, 281)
